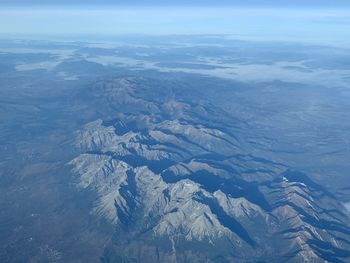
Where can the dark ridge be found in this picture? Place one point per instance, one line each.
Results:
(258, 170)
(319, 223)
(225, 219)
(296, 176)
(184, 138)
(299, 177)
(149, 141)
(224, 130)
(220, 166)
(213, 160)
(291, 255)
(213, 110)
(347, 241)
(177, 147)
(155, 166)
(224, 139)
(235, 188)
(330, 213)
(209, 157)
(170, 178)
(258, 159)
(172, 148)
(129, 193)
(304, 197)
(319, 244)
(166, 194)
(296, 230)
(111, 154)
(328, 252)
(136, 161)
(120, 128)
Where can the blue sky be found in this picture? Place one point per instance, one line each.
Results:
(321, 22)
(265, 3)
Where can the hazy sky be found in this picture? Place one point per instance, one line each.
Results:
(317, 21)
(280, 3)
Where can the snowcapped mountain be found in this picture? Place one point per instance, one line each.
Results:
(183, 181)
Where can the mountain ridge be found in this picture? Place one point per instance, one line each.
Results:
(160, 176)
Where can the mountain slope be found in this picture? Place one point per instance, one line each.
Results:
(184, 185)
